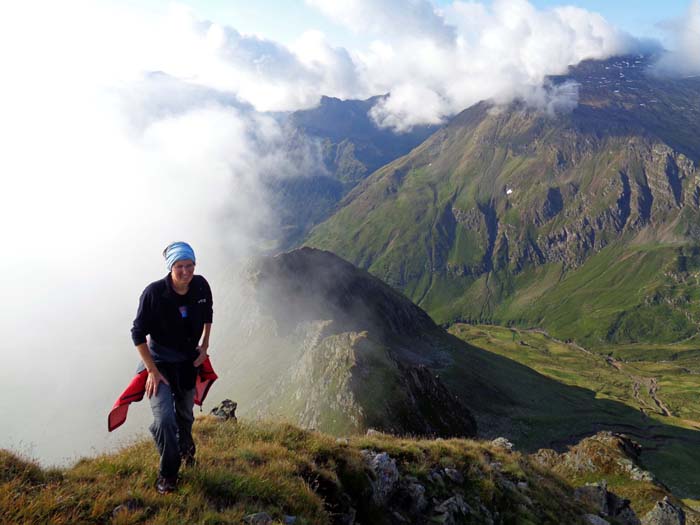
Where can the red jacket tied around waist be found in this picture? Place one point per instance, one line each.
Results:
(137, 389)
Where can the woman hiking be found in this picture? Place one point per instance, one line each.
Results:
(171, 333)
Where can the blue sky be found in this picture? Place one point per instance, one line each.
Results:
(285, 20)
(638, 17)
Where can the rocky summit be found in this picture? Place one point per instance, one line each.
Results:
(335, 349)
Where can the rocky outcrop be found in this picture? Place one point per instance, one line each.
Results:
(226, 410)
(445, 495)
(435, 410)
(365, 354)
(664, 513)
(607, 453)
(606, 503)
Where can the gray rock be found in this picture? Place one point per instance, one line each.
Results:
(503, 443)
(664, 513)
(342, 441)
(595, 520)
(635, 472)
(595, 496)
(416, 493)
(386, 475)
(454, 475)
(259, 518)
(289, 520)
(625, 515)
(606, 503)
(486, 516)
(507, 485)
(226, 410)
(436, 478)
(453, 510)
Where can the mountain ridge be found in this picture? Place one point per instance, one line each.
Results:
(463, 222)
(262, 472)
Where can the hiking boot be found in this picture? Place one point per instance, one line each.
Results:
(166, 485)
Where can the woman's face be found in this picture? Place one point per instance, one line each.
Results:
(182, 272)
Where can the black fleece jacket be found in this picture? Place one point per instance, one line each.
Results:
(159, 315)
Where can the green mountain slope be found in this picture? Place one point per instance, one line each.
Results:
(507, 214)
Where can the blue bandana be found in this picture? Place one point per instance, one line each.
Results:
(177, 251)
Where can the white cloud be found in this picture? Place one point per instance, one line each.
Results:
(334, 67)
(500, 52)
(400, 112)
(434, 63)
(262, 72)
(104, 164)
(393, 18)
(684, 58)
(553, 98)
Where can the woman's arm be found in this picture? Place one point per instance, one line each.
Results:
(203, 345)
(154, 375)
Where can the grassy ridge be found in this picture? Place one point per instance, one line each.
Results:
(278, 469)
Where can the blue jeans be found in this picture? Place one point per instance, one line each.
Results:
(172, 427)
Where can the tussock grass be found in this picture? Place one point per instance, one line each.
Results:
(273, 467)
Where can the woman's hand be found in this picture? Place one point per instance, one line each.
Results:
(202, 349)
(154, 379)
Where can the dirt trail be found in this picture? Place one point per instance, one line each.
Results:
(614, 363)
(552, 338)
(653, 388)
(650, 383)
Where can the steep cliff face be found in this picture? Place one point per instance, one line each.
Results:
(347, 383)
(462, 222)
(333, 348)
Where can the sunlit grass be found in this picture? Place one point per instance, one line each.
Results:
(272, 467)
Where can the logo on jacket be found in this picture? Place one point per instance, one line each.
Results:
(201, 301)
